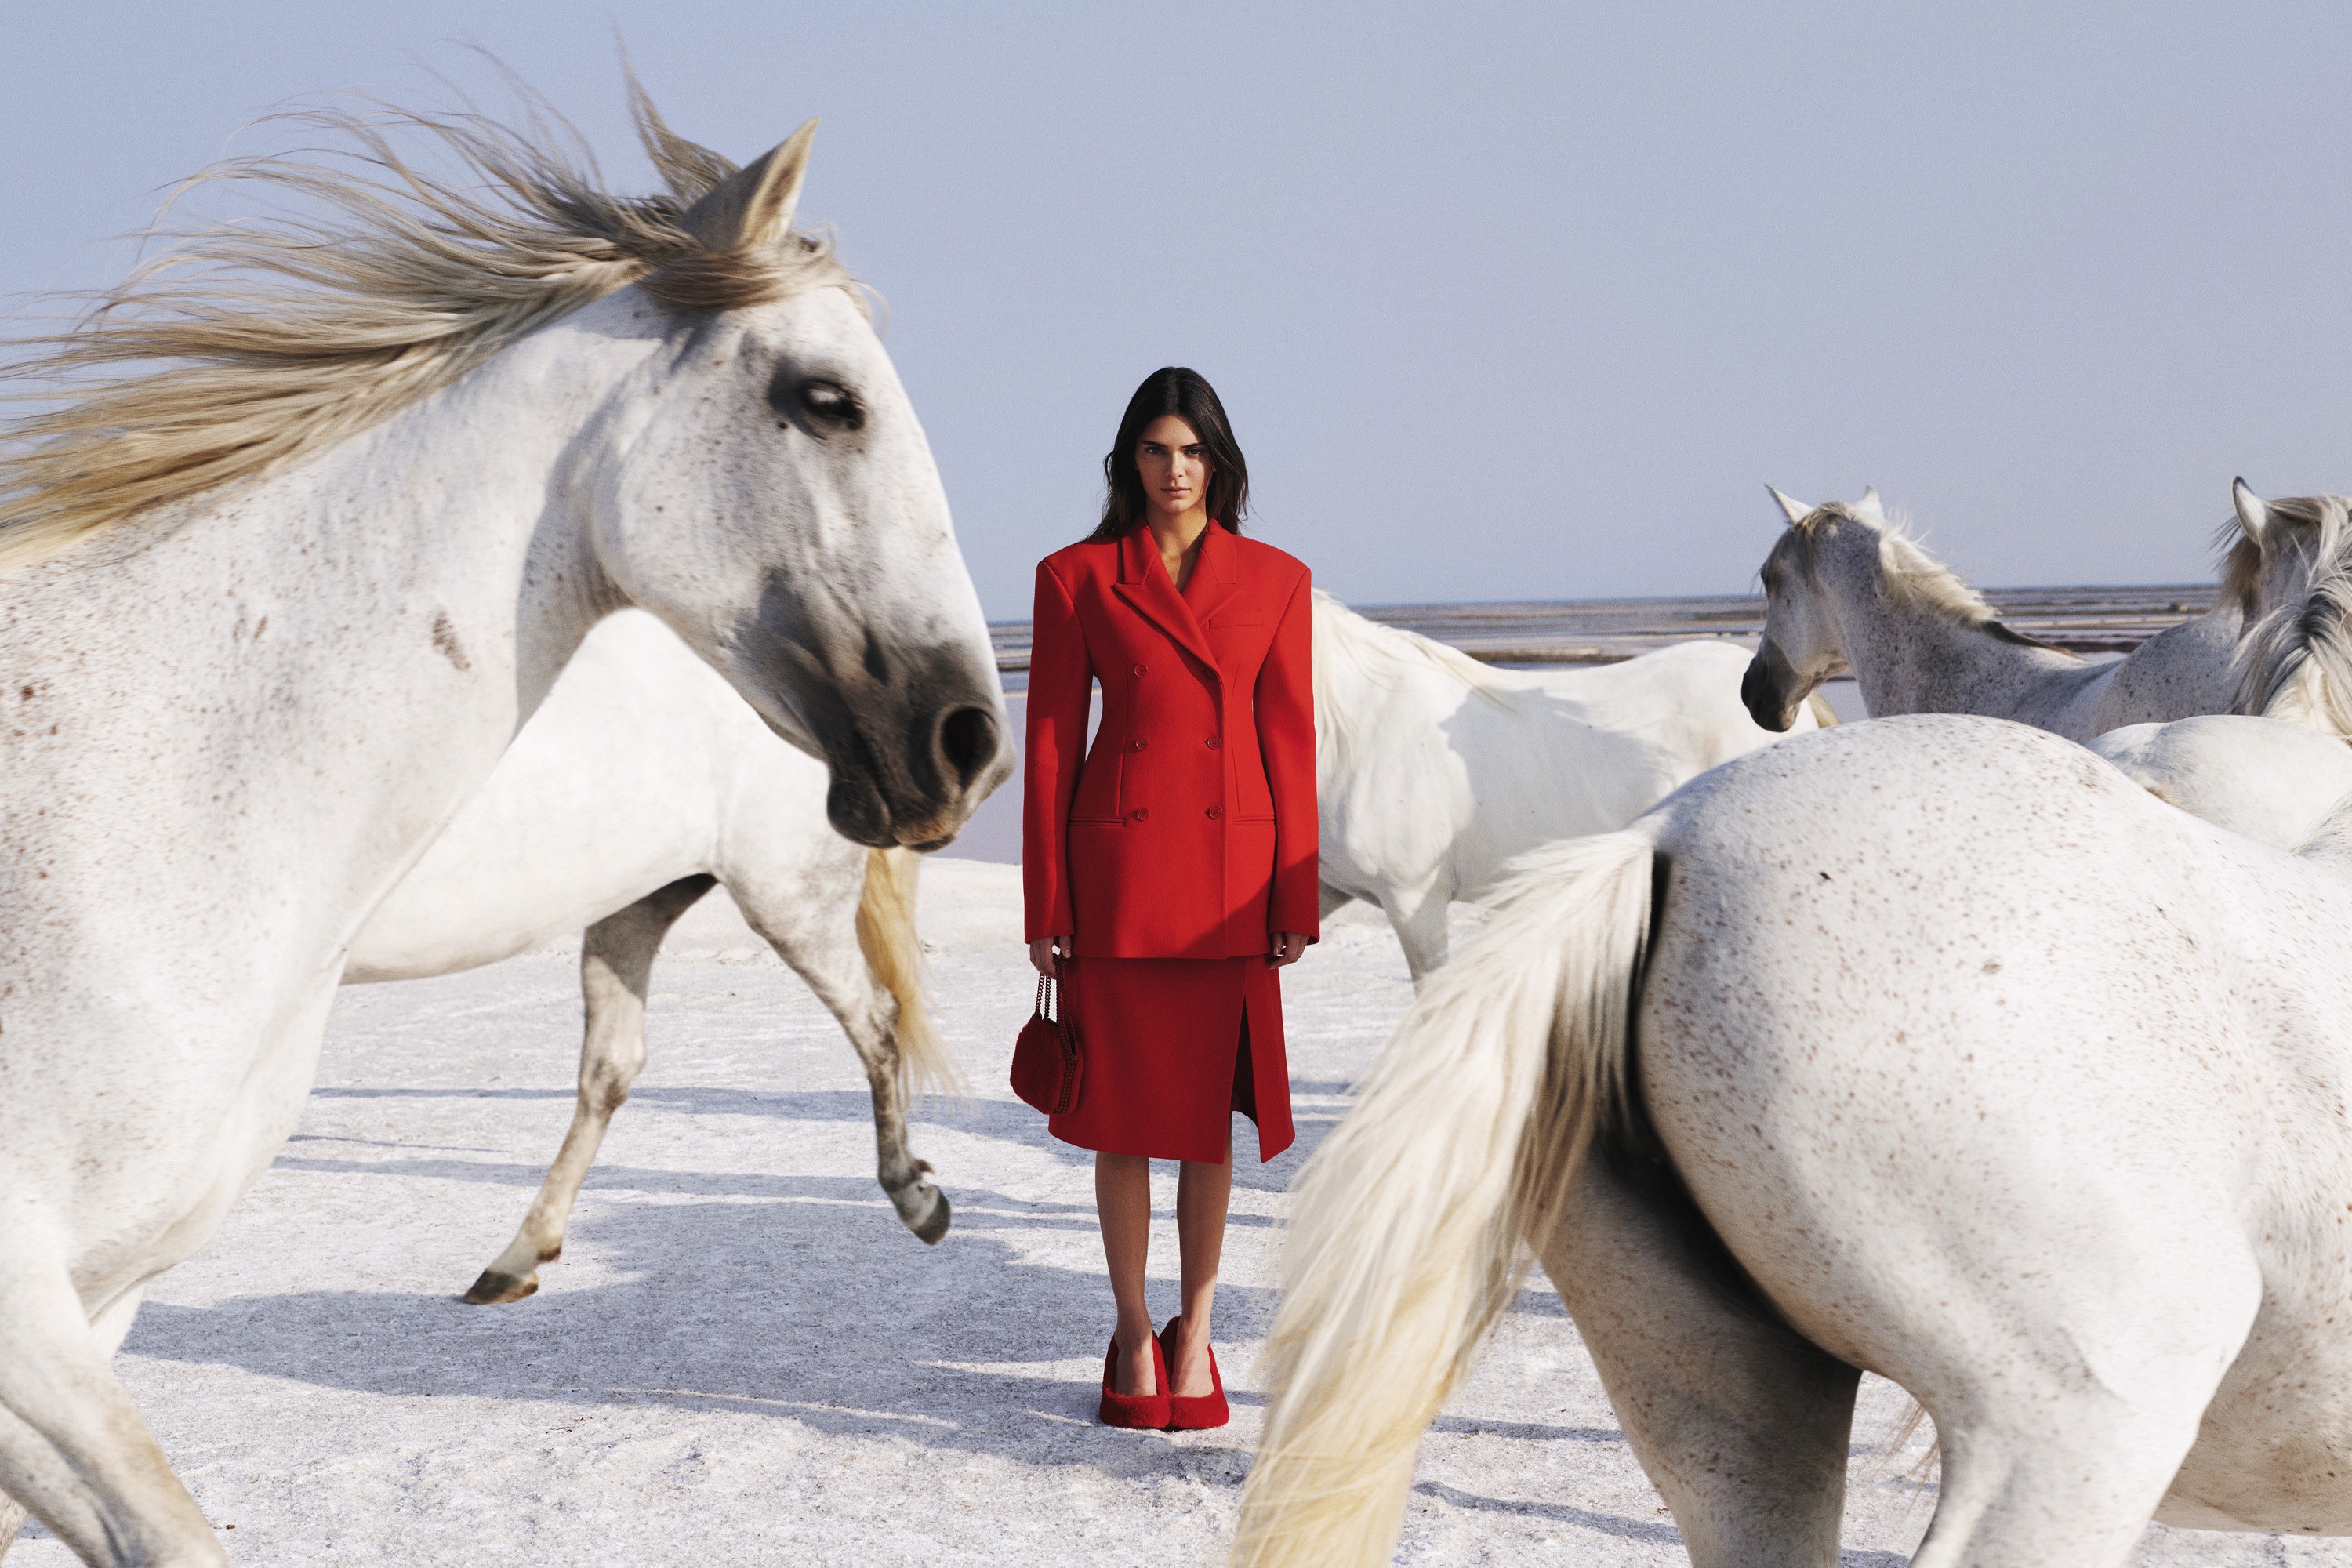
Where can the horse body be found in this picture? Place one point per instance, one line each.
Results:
(238, 719)
(640, 783)
(1953, 1057)
(1435, 771)
(2265, 779)
(630, 775)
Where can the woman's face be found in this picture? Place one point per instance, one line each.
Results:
(1174, 467)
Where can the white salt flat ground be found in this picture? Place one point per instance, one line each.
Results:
(743, 1359)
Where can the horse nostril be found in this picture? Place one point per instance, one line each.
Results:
(968, 739)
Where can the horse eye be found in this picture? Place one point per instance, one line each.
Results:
(826, 406)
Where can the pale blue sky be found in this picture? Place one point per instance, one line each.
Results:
(1505, 302)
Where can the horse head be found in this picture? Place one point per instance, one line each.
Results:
(2291, 569)
(767, 491)
(1802, 647)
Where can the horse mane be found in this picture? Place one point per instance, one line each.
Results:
(2243, 559)
(257, 342)
(1385, 656)
(1913, 579)
(2306, 649)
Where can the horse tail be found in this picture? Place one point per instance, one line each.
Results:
(894, 956)
(1824, 716)
(1404, 1241)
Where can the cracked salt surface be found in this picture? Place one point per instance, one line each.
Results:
(744, 1359)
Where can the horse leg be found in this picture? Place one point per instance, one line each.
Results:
(73, 1447)
(616, 961)
(2064, 1432)
(1741, 1424)
(111, 1323)
(1419, 921)
(1330, 901)
(845, 924)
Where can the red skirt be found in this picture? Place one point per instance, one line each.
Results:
(1174, 1047)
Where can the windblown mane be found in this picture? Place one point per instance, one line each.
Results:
(257, 342)
(1383, 655)
(2299, 657)
(1914, 578)
(2242, 560)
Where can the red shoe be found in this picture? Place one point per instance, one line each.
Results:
(1149, 1411)
(1193, 1412)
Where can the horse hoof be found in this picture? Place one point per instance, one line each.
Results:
(935, 1223)
(494, 1288)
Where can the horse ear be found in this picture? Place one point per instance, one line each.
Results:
(1870, 503)
(2252, 515)
(1796, 511)
(751, 210)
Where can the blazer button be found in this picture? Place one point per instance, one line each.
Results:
(1139, 669)
(1141, 812)
(1139, 742)
(1215, 813)
(1212, 742)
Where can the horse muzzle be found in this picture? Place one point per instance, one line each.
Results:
(1768, 689)
(918, 797)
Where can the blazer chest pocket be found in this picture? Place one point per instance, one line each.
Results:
(1225, 623)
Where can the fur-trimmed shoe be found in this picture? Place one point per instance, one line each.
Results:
(1198, 1411)
(1145, 1410)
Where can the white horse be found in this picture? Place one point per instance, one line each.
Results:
(1434, 770)
(276, 607)
(641, 782)
(1931, 1047)
(2276, 778)
(1845, 588)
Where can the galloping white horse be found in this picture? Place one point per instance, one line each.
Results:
(1846, 589)
(276, 607)
(640, 783)
(1433, 770)
(1930, 1047)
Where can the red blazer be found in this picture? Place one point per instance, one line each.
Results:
(1189, 830)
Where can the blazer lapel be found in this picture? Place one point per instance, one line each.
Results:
(1216, 575)
(1143, 584)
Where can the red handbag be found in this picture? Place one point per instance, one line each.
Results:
(1046, 1063)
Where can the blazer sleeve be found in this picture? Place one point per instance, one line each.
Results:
(1061, 681)
(1285, 739)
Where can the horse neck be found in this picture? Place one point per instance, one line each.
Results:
(471, 501)
(1913, 657)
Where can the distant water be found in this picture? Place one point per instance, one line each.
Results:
(2096, 622)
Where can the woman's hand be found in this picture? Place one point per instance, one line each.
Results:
(1285, 948)
(1045, 953)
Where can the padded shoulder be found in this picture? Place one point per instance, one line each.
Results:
(1074, 563)
(1264, 557)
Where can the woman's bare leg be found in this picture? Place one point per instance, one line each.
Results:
(1123, 1203)
(1203, 1192)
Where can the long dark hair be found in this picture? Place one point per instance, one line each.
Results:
(1187, 395)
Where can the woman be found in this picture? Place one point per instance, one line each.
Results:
(1170, 873)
